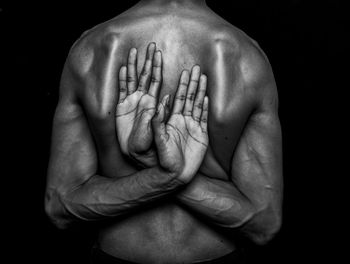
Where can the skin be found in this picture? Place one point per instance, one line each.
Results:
(137, 106)
(163, 203)
(179, 138)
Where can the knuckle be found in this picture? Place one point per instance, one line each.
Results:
(130, 79)
(199, 105)
(180, 97)
(155, 80)
(191, 96)
(145, 73)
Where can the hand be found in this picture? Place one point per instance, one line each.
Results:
(136, 108)
(182, 141)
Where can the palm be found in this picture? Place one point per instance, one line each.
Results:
(125, 116)
(187, 138)
(183, 140)
(141, 134)
(136, 107)
(188, 134)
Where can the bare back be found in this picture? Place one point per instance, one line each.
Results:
(231, 61)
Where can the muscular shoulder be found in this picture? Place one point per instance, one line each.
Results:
(248, 62)
(94, 44)
(86, 80)
(88, 56)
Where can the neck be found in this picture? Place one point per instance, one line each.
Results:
(171, 2)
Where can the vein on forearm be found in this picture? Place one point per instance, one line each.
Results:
(102, 197)
(216, 199)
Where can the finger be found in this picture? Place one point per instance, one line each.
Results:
(158, 121)
(167, 109)
(132, 71)
(156, 78)
(122, 84)
(180, 96)
(198, 102)
(204, 117)
(146, 72)
(191, 91)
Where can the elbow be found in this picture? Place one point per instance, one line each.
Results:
(55, 211)
(266, 230)
(264, 237)
(261, 226)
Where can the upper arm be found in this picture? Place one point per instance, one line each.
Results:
(73, 156)
(257, 161)
(256, 167)
(83, 124)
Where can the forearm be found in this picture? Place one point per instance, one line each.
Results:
(101, 197)
(218, 200)
(224, 205)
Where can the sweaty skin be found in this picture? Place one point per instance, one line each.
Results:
(153, 217)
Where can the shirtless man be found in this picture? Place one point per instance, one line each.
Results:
(161, 206)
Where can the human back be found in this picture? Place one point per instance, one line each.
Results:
(186, 38)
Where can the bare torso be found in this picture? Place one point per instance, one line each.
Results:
(167, 230)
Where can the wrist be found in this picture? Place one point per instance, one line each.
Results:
(186, 175)
(172, 177)
(137, 153)
(181, 176)
(146, 159)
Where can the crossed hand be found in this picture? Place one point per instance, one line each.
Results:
(146, 132)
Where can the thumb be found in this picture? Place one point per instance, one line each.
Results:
(167, 108)
(158, 121)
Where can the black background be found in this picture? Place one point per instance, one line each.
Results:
(306, 45)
